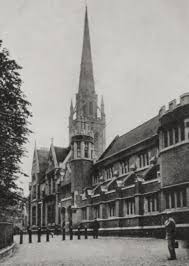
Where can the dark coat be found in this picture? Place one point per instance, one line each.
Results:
(96, 225)
(170, 228)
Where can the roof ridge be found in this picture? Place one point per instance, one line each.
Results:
(139, 126)
(133, 137)
(62, 148)
(109, 146)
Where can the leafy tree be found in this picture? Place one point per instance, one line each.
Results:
(14, 129)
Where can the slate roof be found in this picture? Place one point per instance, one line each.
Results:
(139, 134)
(61, 153)
(43, 159)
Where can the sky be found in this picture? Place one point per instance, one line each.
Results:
(140, 53)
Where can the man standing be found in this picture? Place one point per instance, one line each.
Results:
(95, 228)
(170, 227)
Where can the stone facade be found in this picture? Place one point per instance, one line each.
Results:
(131, 186)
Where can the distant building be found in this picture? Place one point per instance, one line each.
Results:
(131, 185)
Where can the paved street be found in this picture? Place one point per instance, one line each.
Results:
(102, 251)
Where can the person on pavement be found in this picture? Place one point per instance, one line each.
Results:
(170, 227)
(95, 226)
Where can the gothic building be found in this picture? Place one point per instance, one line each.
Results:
(130, 186)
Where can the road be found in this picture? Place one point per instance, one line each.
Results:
(103, 251)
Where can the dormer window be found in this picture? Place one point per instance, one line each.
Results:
(109, 172)
(144, 159)
(124, 167)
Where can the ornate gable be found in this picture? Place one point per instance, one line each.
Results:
(52, 161)
(35, 163)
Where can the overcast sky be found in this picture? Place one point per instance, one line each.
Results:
(140, 55)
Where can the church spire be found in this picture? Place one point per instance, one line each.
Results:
(86, 110)
(86, 81)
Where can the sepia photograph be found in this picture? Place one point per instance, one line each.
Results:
(94, 132)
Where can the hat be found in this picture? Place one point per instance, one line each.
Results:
(167, 222)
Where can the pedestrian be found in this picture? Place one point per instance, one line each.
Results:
(170, 227)
(39, 234)
(85, 231)
(63, 224)
(50, 232)
(95, 227)
(30, 234)
(79, 231)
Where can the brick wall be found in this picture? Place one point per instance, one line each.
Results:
(175, 165)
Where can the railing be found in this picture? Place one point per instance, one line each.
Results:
(6, 234)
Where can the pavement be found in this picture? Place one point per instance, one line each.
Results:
(103, 251)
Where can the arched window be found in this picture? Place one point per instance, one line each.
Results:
(86, 150)
(78, 149)
(84, 109)
(90, 108)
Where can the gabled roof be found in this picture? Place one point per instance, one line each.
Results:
(43, 159)
(137, 135)
(61, 153)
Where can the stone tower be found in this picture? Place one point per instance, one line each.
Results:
(86, 108)
(82, 146)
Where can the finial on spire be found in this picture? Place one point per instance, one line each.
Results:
(52, 141)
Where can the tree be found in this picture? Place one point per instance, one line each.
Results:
(14, 129)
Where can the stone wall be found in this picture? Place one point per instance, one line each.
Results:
(175, 165)
(6, 234)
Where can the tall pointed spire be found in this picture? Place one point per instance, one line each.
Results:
(86, 82)
(86, 110)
